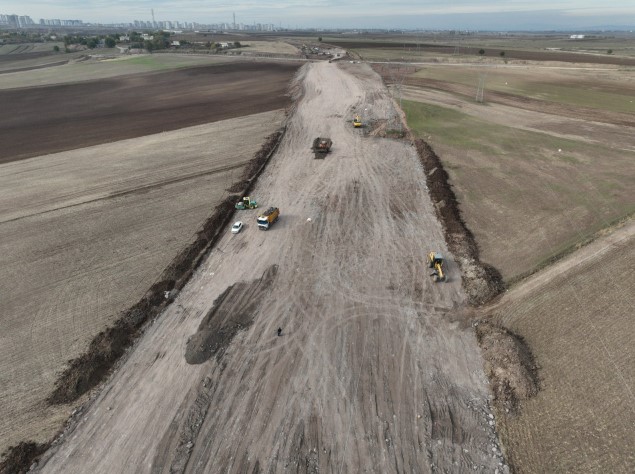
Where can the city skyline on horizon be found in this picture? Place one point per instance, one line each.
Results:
(462, 14)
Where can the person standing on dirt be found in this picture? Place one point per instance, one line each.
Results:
(279, 331)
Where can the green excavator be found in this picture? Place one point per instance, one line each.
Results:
(246, 203)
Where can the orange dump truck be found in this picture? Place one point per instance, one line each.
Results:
(267, 218)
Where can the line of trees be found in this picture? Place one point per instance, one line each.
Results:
(90, 41)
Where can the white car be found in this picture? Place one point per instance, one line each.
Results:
(237, 227)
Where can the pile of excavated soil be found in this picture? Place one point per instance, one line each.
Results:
(481, 281)
(20, 458)
(509, 365)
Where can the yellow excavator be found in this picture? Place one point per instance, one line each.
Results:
(435, 260)
(357, 121)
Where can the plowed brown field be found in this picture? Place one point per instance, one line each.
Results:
(40, 120)
(577, 316)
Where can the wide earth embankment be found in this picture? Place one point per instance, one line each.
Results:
(84, 234)
(374, 370)
(41, 120)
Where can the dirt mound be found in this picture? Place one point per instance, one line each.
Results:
(509, 365)
(18, 459)
(232, 311)
(481, 281)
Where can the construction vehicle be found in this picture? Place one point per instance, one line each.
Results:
(246, 203)
(357, 121)
(267, 218)
(435, 260)
(321, 146)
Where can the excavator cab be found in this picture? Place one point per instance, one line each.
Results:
(435, 261)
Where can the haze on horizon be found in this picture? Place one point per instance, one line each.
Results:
(424, 14)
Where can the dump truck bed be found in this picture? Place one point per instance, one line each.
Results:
(321, 146)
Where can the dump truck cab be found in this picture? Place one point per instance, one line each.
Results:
(268, 218)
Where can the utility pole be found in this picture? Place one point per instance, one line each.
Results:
(480, 90)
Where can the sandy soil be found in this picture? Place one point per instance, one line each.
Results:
(70, 116)
(84, 234)
(577, 317)
(374, 371)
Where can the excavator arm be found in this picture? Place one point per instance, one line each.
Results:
(439, 272)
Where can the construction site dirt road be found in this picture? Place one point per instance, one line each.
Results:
(376, 369)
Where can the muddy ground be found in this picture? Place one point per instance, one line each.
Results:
(41, 120)
(376, 368)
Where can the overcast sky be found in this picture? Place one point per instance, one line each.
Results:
(429, 14)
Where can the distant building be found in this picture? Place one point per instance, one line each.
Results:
(58, 22)
(16, 21)
(576, 37)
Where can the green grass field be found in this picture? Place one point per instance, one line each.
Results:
(525, 201)
(594, 89)
(457, 129)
